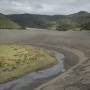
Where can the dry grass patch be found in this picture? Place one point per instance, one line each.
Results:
(17, 60)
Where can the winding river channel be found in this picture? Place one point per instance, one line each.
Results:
(76, 59)
(29, 79)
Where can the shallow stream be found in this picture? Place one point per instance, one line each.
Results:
(28, 79)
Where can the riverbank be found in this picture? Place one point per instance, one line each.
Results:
(68, 63)
(30, 85)
(75, 78)
(31, 78)
(62, 79)
(17, 60)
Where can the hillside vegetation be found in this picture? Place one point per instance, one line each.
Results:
(30, 20)
(6, 23)
(76, 21)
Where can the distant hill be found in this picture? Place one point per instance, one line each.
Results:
(31, 20)
(77, 21)
(80, 17)
(6, 23)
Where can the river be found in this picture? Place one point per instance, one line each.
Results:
(36, 77)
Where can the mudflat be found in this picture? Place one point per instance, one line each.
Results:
(76, 77)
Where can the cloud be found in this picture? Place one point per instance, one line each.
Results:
(43, 6)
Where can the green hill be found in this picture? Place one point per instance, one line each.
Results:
(76, 21)
(6, 23)
(31, 20)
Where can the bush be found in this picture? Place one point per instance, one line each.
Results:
(85, 26)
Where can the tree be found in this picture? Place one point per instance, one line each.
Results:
(85, 26)
(66, 24)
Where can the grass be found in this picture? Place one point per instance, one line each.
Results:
(17, 60)
(6, 23)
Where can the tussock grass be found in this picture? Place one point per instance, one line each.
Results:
(17, 60)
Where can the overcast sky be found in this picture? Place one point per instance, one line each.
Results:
(50, 7)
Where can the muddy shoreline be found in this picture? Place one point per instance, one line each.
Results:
(33, 77)
(68, 62)
(74, 45)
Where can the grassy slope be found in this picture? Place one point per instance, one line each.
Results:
(30, 20)
(76, 21)
(61, 22)
(17, 60)
(6, 23)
